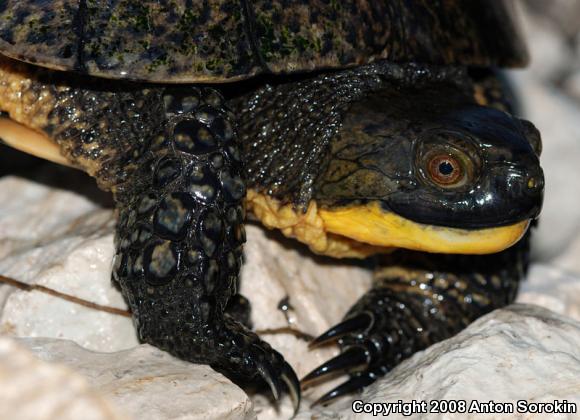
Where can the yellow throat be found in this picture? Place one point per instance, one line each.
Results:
(370, 224)
(363, 230)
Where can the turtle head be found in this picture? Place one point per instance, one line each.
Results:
(432, 172)
(476, 171)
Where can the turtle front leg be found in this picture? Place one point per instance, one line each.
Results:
(418, 299)
(179, 243)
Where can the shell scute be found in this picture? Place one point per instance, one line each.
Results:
(180, 41)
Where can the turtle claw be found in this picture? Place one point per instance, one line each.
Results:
(249, 357)
(352, 358)
(403, 314)
(293, 384)
(277, 373)
(276, 380)
(270, 377)
(356, 383)
(360, 322)
(367, 349)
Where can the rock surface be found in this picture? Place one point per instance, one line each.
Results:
(32, 389)
(147, 383)
(66, 246)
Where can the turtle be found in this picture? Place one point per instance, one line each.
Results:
(358, 128)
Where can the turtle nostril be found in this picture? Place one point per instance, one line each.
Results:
(535, 183)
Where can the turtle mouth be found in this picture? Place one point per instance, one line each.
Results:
(370, 224)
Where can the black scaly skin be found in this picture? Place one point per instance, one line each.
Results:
(418, 299)
(179, 243)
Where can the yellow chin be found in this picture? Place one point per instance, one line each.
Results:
(370, 224)
(360, 231)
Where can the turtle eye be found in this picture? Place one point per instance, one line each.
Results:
(447, 167)
(444, 170)
(447, 160)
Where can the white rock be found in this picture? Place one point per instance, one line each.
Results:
(557, 116)
(320, 291)
(562, 15)
(66, 246)
(149, 384)
(552, 288)
(518, 353)
(35, 390)
(553, 34)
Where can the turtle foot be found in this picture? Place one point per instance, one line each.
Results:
(243, 353)
(418, 300)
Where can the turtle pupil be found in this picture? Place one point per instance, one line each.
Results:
(445, 168)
